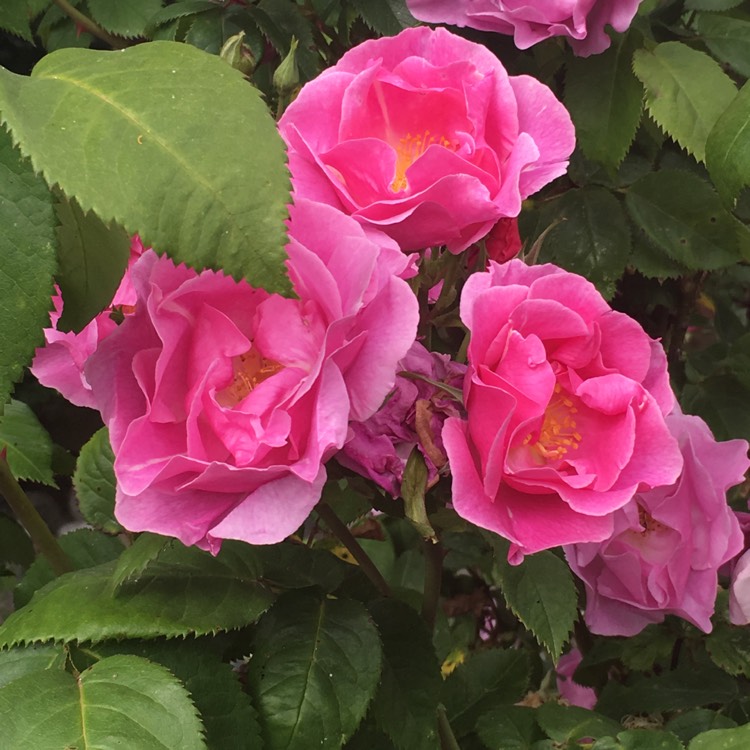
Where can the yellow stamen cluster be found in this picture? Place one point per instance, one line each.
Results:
(558, 434)
(408, 150)
(250, 369)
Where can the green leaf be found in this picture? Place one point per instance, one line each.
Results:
(387, 17)
(722, 739)
(541, 593)
(85, 548)
(136, 558)
(174, 600)
(124, 19)
(652, 645)
(712, 4)
(728, 39)
(17, 662)
(123, 700)
(691, 723)
(722, 401)
(188, 180)
(95, 484)
(15, 546)
(486, 681)
(689, 686)
(27, 249)
(228, 716)
(565, 723)
(405, 707)
(315, 668)
(28, 445)
(14, 17)
(648, 739)
(729, 648)
(297, 566)
(605, 101)
(93, 258)
(682, 215)
(508, 728)
(728, 147)
(686, 92)
(592, 237)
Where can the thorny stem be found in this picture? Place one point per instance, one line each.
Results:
(448, 740)
(340, 529)
(27, 514)
(433, 578)
(85, 22)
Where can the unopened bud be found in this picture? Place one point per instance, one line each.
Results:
(238, 54)
(286, 77)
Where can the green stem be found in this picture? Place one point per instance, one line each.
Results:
(89, 25)
(433, 579)
(448, 740)
(27, 514)
(341, 530)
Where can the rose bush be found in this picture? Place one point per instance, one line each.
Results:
(426, 137)
(565, 402)
(582, 21)
(669, 542)
(412, 415)
(224, 401)
(59, 363)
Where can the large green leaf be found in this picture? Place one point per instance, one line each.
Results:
(507, 728)
(17, 662)
(172, 601)
(728, 39)
(125, 19)
(691, 723)
(541, 593)
(228, 716)
(177, 146)
(27, 249)
(28, 444)
(728, 147)
(315, 668)
(722, 739)
(95, 484)
(405, 707)
(93, 258)
(486, 681)
(605, 101)
(122, 701)
(592, 237)
(682, 215)
(686, 92)
(565, 723)
(136, 558)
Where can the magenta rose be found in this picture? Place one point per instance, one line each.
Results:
(739, 592)
(668, 543)
(565, 402)
(59, 363)
(223, 401)
(426, 137)
(412, 416)
(571, 691)
(582, 21)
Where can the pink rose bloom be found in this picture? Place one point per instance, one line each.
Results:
(565, 401)
(412, 415)
(668, 542)
(59, 363)
(223, 401)
(571, 691)
(426, 137)
(504, 241)
(582, 21)
(739, 592)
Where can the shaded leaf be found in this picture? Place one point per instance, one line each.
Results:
(508, 728)
(314, 670)
(387, 17)
(124, 19)
(728, 39)
(564, 723)
(17, 662)
(182, 168)
(605, 101)
(691, 723)
(95, 484)
(15, 545)
(28, 445)
(27, 247)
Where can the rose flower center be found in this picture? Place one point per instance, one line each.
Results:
(408, 150)
(250, 369)
(558, 434)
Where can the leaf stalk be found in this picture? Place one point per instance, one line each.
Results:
(85, 22)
